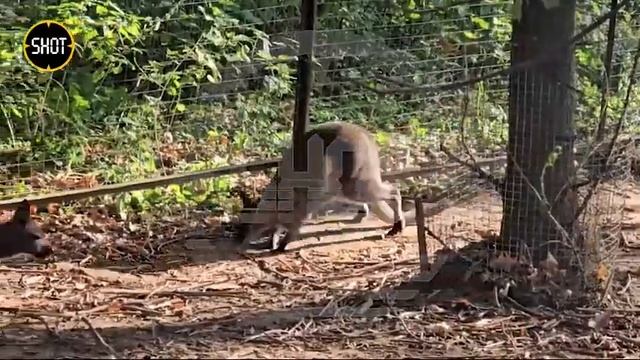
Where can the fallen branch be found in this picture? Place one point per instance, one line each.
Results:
(169, 293)
(35, 314)
(78, 194)
(99, 338)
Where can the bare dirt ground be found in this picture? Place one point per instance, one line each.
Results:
(174, 292)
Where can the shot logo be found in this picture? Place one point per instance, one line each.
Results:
(48, 46)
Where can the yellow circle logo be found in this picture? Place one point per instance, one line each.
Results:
(48, 46)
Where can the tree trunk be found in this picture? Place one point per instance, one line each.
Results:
(540, 122)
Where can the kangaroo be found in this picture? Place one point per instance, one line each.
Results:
(23, 235)
(343, 166)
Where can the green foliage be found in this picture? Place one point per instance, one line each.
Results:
(208, 83)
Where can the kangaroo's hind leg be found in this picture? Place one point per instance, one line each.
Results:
(399, 221)
(377, 193)
(302, 209)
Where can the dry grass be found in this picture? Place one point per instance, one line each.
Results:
(178, 289)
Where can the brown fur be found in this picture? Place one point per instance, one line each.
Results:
(345, 168)
(22, 234)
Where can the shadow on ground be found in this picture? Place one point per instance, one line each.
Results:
(329, 327)
(187, 243)
(391, 323)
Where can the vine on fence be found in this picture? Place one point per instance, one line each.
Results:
(164, 87)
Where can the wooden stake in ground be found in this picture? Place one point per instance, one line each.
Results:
(422, 241)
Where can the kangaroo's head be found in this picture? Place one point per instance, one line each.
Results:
(23, 235)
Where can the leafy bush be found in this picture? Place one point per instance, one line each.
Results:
(158, 87)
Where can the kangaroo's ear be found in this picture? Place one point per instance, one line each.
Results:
(23, 212)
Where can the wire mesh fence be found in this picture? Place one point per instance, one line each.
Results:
(226, 83)
(163, 88)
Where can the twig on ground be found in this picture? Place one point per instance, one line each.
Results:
(613, 310)
(156, 290)
(169, 293)
(370, 269)
(523, 308)
(99, 338)
(607, 287)
(318, 267)
(205, 284)
(436, 237)
(35, 314)
(626, 287)
(266, 333)
(94, 310)
(334, 306)
(395, 312)
(23, 271)
(52, 332)
(625, 338)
